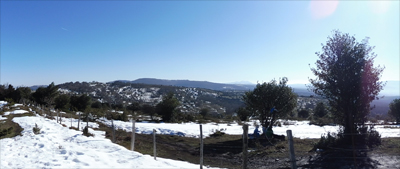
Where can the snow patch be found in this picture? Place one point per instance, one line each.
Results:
(15, 112)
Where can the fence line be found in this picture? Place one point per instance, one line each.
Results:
(291, 149)
(154, 144)
(201, 147)
(133, 136)
(245, 144)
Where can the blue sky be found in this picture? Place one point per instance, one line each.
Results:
(217, 41)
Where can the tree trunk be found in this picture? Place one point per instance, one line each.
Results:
(272, 120)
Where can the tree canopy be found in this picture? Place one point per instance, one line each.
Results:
(346, 76)
(80, 103)
(394, 110)
(243, 113)
(9, 92)
(304, 113)
(270, 101)
(148, 109)
(167, 107)
(62, 102)
(46, 95)
(320, 110)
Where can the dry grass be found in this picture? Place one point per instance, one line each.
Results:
(8, 128)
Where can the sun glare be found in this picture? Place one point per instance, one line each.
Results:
(379, 6)
(321, 9)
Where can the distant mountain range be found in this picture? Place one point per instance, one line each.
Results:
(232, 91)
(392, 88)
(189, 83)
(36, 87)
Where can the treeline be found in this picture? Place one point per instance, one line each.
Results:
(46, 96)
(10, 94)
(167, 110)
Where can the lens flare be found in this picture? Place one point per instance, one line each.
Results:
(321, 9)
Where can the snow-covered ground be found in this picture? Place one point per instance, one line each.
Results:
(15, 112)
(2, 118)
(2, 103)
(59, 147)
(300, 129)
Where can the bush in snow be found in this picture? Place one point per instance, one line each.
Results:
(278, 123)
(217, 133)
(36, 129)
(73, 128)
(86, 132)
(366, 137)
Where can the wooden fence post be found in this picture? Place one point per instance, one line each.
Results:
(245, 144)
(113, 130)
(79, 120)
(57, 116)
(70, 115)
(154, 144)
(291, 149)
(201, 146)
(133, 135)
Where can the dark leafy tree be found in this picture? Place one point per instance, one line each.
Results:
(243, 113)
(204, 112)
(8, 92)
(23, 93)
(320, 110)
(118, 106)
(270, 101)
(2, 92)
(96, 105)
(39, 95)
(167, 107)
(135, 106)
(46, 95)
(303, 113)
(346, 76)
(394, 110)
(149, 110)
(80, 103)
(51, 93)
(62, 102)
(16, 95)
(106, 105)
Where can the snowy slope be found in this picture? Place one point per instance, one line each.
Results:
(59, 147)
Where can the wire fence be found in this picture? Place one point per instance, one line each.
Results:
(357, 153)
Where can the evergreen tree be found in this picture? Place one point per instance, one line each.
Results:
(394, 110)
(303, 113)
(346, 76)
(149, 110)
(80, 103)
(270, 101)
(243, 113)
(204, 112)
(46, 96)
(167, 107)
(320, 110)
(62, 102)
